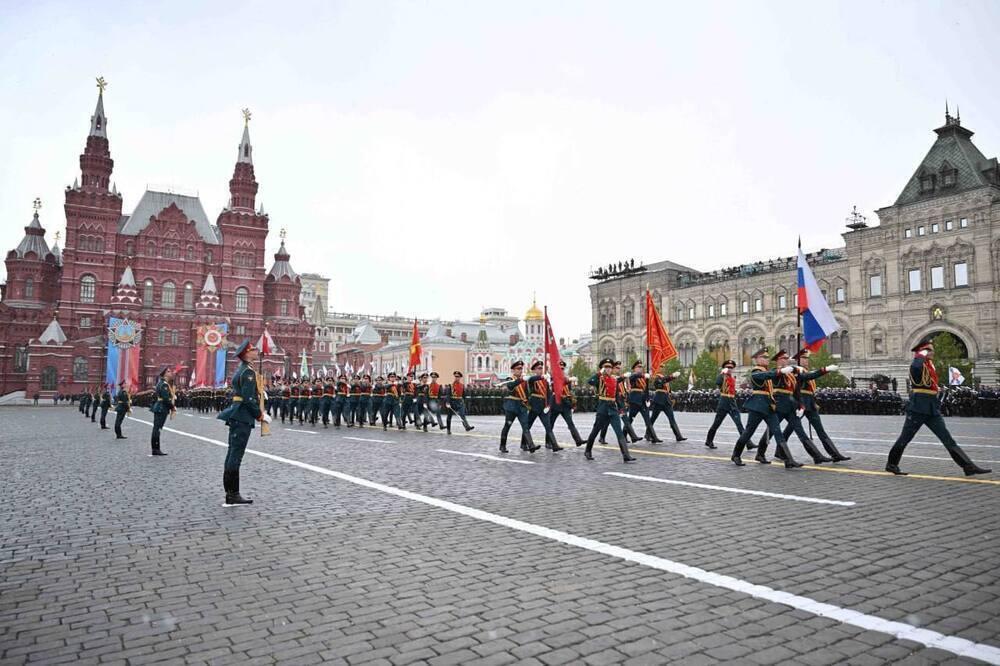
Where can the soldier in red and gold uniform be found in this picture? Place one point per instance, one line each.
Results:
(455, 402)
(565, 406)
(727, 404)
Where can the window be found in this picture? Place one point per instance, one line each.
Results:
(745, 306)
(174, 337)
(722, 308)
(841, 294)
(80, 371)
(242, 299)
(21, 358)
(962, 275)
(161, 336)
(874, 286)
(878, 347)
(937, 277)
(129, 249)
(84, 322)
(147, 293)
(908, 233)
(758, 304)
(49, 378)
(927, 183)
(691, 312)
(322, 346)
(949, 225)
(241, 329)
(963, 223)
(29, 288)
(711, 311)
(914, 279)
(188, 296)
(782, 302)
(284, 308)
(921, 231)
(88, 288)
(168, 297)
(935, 228)
(150, 249)
(189, 253)
(208, 256)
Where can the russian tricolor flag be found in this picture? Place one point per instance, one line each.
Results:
(818, 322)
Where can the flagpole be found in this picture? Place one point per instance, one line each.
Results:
(798, 311)
(545, 346)
(646, 333)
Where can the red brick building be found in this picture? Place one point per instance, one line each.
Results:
(164, 266)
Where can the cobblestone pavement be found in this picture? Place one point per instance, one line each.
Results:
(379, 547)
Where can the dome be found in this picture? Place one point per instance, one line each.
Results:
(534, 314)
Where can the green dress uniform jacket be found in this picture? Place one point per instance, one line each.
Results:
(244, 407)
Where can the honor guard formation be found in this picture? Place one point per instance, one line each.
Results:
(780, 398)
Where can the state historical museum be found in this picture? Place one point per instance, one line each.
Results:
(131, 293)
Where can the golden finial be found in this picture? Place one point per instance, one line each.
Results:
(101, 84)
(283, 233)
(246, 116)
(37, 204)
(58, 235)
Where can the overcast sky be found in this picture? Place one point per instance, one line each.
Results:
(433, 158)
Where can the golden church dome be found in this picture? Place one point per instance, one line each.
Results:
(534, 314)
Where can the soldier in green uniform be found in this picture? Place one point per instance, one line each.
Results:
(340, 401)
(95, 404)
(608, 409)
(663, 403)
(240, 416)
(515, 407)
(123, 406)
(390, 403)
(760, 408)
(564, 407)
(806, 386)
(454, 402)
(365, 400)
(378, 395)
(293, 400)
(162, 407)
(326, 402)
(727, 404)
(538, 400)
(105, 406)
(788, 409)
(314, 400)
(409, 399)
(923, 409)
(638, 394)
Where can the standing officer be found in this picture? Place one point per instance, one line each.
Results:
(105, 406)
(637, 396)
(538, 400)
(788, 409)
(240, 416)
(84, 405)
(515, 407)
(807, 399)
(663, 403)
(95, 404)
(123, 407)
(164, 397)
(608, 412)
(454, 402)
(727, 403)
(760, 407)
(565, 407)
(923, 409)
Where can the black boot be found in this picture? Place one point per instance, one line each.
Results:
(976, 469)
(895, 470)
(231, 482)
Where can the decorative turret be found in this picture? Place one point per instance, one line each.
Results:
(209, 300)
(243, 185)
(282, 287)
(33, 242)
(126, 296)
(32, 268)
(95, 162)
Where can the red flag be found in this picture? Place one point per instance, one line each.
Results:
(661, 349)
(415, 349)
(552, 354)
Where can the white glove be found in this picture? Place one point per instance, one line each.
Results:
(923, 352)
(571, 379)
(832, 368)
(266, 418)
(675, 375)
(725, 371)
(787, 370)
(799, 368)
(799, 412)
(647, 375)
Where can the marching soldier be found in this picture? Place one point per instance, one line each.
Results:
(538, 400)
(422, 413)
(409, 397)
(353, 397)
(455, 402)
(663, 403)
(727, 404)
(807, 399)
(564, 407)
(515, 407)
(240, 416)
(105, 406)
(390, 403)
(293, 400)
(637, 395)
(314, 400)
(340, 401)
(923, 409)
(378, 396)
(788, 409)
(123, 407)
(326, 402)
(434, 401)
(760, 407)
(163, 406)
(608, 411)
(365, 400)
(305, 392)
(620, 400)
(286, 398)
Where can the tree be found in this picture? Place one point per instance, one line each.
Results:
(821, 359)
(949, 352)
(581, 371)
(671, 366)
(705, 371)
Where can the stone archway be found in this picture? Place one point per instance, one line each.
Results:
(963, 335)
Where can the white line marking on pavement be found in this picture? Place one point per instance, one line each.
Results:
(190, 416)
(954, 644)
(365, 439)
(487, 457)
(910, 455)
(308, 432)
(207, 418)
(742, 491)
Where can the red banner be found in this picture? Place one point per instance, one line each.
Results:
(552, 354)
(415, 349)
(661, 349)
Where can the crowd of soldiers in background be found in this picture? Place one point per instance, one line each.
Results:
(955, 401)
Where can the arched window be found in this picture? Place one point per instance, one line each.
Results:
(21, 358)
(845, 346)
(147, 293)
(80, 372)
(628, 318)
(208, 256)
(88, 288)
(99, 244)
(168, 297)
(189, 255)
(129, 249)
(604, 322)
(479, 363)
(242, 300)
(161, 336)
(29, 288)
(150, 249)
(188, 296)
(487, 362)
(284, 307)
(174, 337)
